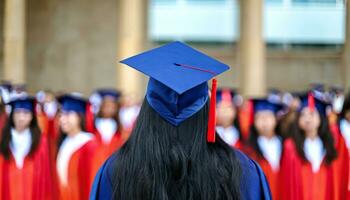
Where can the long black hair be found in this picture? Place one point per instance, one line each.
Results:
(6, 135)
(237, 125)
(324, 133)
(161, 161)
(346, 106)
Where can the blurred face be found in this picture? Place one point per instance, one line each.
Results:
(108, 108)
(70, 122)
(22, 119)
(309, 122)
(49, 97)
(226, 114)
(265, 123)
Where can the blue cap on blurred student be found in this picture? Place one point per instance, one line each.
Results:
(309, 100)
(25, 103)
(266, 105)
(72, 103)
(108, 93)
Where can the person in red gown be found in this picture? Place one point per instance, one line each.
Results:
(46, 112)
(227, 121)
(266, 144)
(107, 126)
(308, 156)
(344, 150)
(24, 158)
(74, 162)
(129, 111)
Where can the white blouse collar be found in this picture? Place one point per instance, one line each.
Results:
(230, 134)
(345, 131)
(314, 152)
(69, 146)
(271, 149)
(106, 128)
(20, 145)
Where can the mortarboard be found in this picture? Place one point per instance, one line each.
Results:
(177, 88)
(266, 105)
(23, 103)
(111, 93)
(73, 103)
(309, 100)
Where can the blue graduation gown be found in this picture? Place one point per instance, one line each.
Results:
(254, 185)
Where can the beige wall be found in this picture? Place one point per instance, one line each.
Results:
(79, 54)
(71, 45)
(2, 9)
(291, 70)
(296, 70)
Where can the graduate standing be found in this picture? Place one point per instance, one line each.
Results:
(107, 129)
(308, 158)
(76, 149)
(24, 158)
(173, 152)
(344, 150)
(266, 143)
(46, 111)
(227, 122)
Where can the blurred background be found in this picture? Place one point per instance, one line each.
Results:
(75, 45)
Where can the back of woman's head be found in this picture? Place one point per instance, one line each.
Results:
(162, 161)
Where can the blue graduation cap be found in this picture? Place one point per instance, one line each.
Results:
(229, 96)
(266, 105)
(73, 103)
(23, 103)
(111, 93)
(177, 88)
(309, 100)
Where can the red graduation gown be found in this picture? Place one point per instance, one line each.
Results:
(50, 128)
(104, 150)
(245, 116)
(300, 182)
(3, 118)
(341, 165)
(80, 175)
(33, 181)
(273, 176)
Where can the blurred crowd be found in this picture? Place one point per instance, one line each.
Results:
(52, 144)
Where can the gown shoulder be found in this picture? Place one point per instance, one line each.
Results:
(102, 185)
(253, 181)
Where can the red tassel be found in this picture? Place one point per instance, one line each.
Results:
(89, 119)
(212, 113)
(311, 102)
